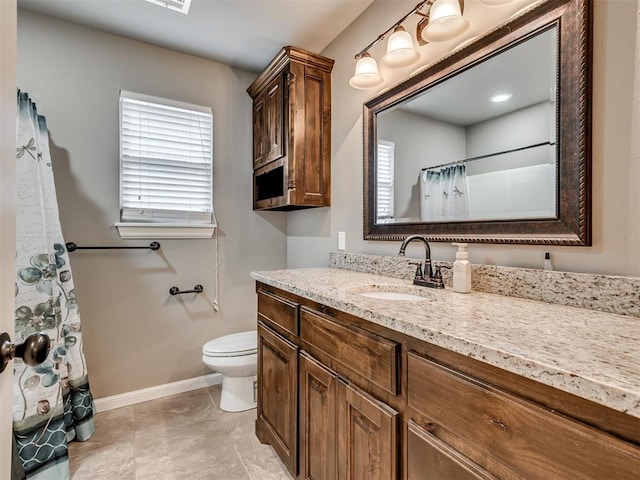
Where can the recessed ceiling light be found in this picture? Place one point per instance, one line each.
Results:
(181, 6)
(501, 97)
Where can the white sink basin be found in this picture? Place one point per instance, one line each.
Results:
(402, 293)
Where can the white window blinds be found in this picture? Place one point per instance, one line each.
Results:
(165, 160)
(384, 179)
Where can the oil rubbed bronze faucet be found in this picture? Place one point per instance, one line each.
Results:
(424, 278)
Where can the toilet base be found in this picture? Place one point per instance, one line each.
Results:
(238, 393)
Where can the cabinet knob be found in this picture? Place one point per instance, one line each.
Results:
(430, 426)
(33, 351)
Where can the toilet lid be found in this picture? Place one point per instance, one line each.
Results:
(234, 345)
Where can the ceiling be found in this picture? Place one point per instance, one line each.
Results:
(242, 33)
(526, 71)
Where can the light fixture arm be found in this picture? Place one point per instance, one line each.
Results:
(415, 10)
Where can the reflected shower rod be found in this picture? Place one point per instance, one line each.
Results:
(72, 247)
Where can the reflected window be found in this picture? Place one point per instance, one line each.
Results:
(384, 179)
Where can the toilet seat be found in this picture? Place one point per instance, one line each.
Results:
(234, 345)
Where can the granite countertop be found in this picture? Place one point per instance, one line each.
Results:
(590, 354)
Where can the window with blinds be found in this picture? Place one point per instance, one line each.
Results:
(384, 179)
(166, 160)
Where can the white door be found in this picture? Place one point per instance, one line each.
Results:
(8, 85)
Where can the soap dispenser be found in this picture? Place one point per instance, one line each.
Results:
(461, 270)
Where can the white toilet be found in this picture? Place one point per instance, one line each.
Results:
(235, 357)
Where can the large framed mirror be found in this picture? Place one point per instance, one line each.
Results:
(492, 143)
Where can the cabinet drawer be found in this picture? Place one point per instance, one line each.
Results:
(278, 313)
(366, 354)
(528, 439)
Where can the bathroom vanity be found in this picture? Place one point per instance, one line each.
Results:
(355, 384)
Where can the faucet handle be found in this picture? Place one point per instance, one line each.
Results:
(418, 274)
(437, 276)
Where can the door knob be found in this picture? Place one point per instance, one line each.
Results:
(33, 351)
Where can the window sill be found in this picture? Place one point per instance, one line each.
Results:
(164, 230)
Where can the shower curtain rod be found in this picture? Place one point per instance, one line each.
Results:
(72, 247)
(479, 157)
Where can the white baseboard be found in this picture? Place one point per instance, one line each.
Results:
(159, 391)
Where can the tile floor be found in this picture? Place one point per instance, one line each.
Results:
(177, 437)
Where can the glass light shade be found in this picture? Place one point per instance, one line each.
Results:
(445, 21)
(366, 75)
(400, 49)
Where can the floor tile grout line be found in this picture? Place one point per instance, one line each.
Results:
(244, 465)
(135, 456)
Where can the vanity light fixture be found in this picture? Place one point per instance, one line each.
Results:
(501, 97)
(400, 49)
(367, 75)
(443, 20)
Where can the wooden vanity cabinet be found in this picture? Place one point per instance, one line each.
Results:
(343, 398)
(292, 132)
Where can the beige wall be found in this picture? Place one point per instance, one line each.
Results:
(135, 334)
(616, 182)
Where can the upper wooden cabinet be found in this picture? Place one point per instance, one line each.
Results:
(292, 132)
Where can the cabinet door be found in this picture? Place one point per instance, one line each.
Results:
(277, 395)
(367, 433)
(318, 426)
(310, 117)
(274, 119)
(428, 458)
(259, 150)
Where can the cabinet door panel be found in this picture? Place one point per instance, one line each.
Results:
(259, 152)
(367, 433)
(277, 394)
(317, 421)
(431, 459)
(274, 119)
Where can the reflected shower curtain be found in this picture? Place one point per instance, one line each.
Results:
(443, 194)
(52, 402)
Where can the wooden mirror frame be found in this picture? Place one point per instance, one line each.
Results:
(573, 223)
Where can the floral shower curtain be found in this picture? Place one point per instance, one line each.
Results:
(443, 194)
(52, 402)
